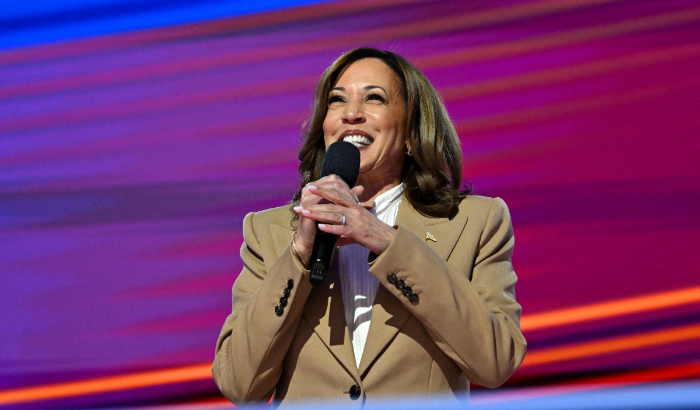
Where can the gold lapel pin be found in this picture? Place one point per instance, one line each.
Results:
(430, 236)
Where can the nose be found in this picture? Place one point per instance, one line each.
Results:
(353, 113)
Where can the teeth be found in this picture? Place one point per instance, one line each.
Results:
(358, 140)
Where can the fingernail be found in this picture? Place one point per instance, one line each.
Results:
(321, 225)
(305, 211)
(312, 186)
(298, 208)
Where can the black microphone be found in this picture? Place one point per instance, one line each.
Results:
(342, 159)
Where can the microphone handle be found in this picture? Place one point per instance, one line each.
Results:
(321, 256)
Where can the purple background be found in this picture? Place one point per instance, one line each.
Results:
(128, 161)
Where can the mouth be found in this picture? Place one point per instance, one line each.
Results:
(360, 139)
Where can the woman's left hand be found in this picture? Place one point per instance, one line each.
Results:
(361, 226)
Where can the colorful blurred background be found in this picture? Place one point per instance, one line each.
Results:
(136, 135)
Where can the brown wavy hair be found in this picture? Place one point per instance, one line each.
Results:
(432, 174)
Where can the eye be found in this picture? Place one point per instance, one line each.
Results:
(335, 98)
(375, 97)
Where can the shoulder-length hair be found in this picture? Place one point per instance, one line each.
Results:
(432, 174)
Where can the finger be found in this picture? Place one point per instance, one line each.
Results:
(324, 217)
(332, 181)
(358, 191)
(335, 229)
(306, 192)
(311, 199)
(334, 195)
(328, 207)
(328, 182)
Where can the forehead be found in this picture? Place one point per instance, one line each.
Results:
(368, 71)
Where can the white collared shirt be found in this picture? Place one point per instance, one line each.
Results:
(359, 286)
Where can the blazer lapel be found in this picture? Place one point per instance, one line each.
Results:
(388, 313)
(325, 312)
(440, 235)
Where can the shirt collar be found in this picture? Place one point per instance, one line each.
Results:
(388, 199)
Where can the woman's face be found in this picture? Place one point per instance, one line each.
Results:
(366, 108)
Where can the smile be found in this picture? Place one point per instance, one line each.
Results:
(358, 140)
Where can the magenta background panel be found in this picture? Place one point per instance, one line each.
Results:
(128, 161)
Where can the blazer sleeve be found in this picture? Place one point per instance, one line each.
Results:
(254, 339)
(475, 321)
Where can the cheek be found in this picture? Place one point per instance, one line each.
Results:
(398, 131)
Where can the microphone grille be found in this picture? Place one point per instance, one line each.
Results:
(342, 159)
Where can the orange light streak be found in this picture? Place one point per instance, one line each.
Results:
(613, 345)
(628, 378)
(107, 384)
(610, 309)
(658, 374)
(531, 322)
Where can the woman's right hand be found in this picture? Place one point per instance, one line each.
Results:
(304, 238)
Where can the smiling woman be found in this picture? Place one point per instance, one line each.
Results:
(420, 297)
(431, 170)
(366, 107)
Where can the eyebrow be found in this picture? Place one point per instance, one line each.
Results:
(367, 87)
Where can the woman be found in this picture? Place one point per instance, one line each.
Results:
(421, 295)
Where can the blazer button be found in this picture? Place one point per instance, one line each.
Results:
(392, 278)
(283, 302)
(279, 310)
(355, 392)
(290, 284)
(413, 298)
(400, 285)
(407, 291)
(286, 293)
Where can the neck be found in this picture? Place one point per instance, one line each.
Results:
(375, 187)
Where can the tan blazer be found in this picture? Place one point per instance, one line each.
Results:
(464, 326)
